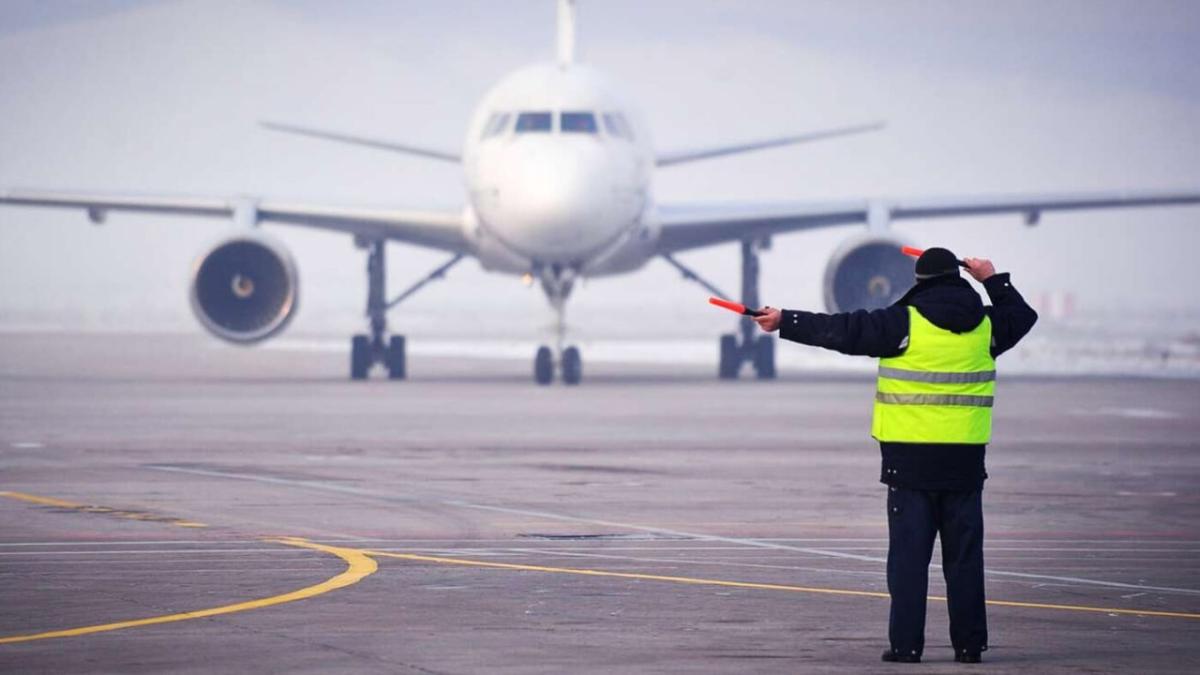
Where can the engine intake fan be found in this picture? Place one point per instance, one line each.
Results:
(245, 289)
(867, 272)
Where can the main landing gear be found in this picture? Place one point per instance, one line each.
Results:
(378, 348)
(557, 281)
(745, 346)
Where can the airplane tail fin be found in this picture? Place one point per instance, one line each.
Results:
(378, 144)
(566, 33)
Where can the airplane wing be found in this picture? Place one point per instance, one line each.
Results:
(378, 144)
(695, 154)
(439, 229)
(687, 227)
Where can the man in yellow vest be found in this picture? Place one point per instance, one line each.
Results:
(933, 420)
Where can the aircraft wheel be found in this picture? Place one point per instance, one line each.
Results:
(729, 363)
(395, 358)
(764, 358)
(543, 366)
(572, 365)
(360, 357)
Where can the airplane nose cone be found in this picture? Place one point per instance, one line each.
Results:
(552, 202)
(552, 196)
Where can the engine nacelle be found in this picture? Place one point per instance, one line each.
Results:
(867, 272)
(245, 289)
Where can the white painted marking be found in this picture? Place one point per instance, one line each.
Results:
(27, 445)
(1128, 413)
(755, 543)
(719, 563)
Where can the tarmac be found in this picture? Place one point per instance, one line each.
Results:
(170, 504)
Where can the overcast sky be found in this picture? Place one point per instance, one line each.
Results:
(980, 97)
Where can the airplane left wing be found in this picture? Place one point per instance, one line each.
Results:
(439, 229)
(688, 227)
(696, 154)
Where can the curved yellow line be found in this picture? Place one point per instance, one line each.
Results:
(358, 566)
(767, 587)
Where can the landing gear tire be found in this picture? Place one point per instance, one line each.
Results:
(395, 358)
(729, 363)
(543, 366)
(360, 357)
(764, 358)
(572, 366)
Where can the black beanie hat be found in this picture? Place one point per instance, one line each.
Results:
(935, 262)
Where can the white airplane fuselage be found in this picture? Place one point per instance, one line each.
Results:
(557, 167)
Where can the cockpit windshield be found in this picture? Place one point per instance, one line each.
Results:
(534, 122)
(616, 125)
(496, 124)
(578, 123)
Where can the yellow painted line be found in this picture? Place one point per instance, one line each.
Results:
(768, 587)
(44, 501)
(627, 575)
(358, 566)
(93, 508)
(1087, 608)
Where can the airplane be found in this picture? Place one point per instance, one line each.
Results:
(558, 170)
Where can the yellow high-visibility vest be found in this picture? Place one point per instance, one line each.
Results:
(940, 390)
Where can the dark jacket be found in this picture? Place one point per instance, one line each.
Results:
(948, 302)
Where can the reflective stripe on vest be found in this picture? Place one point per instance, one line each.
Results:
(934, 399)
(940, 390)
(919, 376)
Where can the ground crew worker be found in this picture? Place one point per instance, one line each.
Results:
(937, 346)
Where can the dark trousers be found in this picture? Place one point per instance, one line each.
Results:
(915, 517)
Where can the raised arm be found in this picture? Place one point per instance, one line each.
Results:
(1012, 317)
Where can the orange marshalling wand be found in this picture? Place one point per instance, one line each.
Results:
(916, 253)
(734, 307)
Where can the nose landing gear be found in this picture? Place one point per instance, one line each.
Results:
(557, 281)
(569, 364)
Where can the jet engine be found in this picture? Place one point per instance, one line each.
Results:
(867, 272)
(245, 289)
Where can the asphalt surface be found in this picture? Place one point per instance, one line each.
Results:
(173, 505)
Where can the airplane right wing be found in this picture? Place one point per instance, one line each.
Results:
(696, 226)
(438, 229)
(376, 143)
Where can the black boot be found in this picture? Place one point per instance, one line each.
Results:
(893, 656)
(967, 656)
